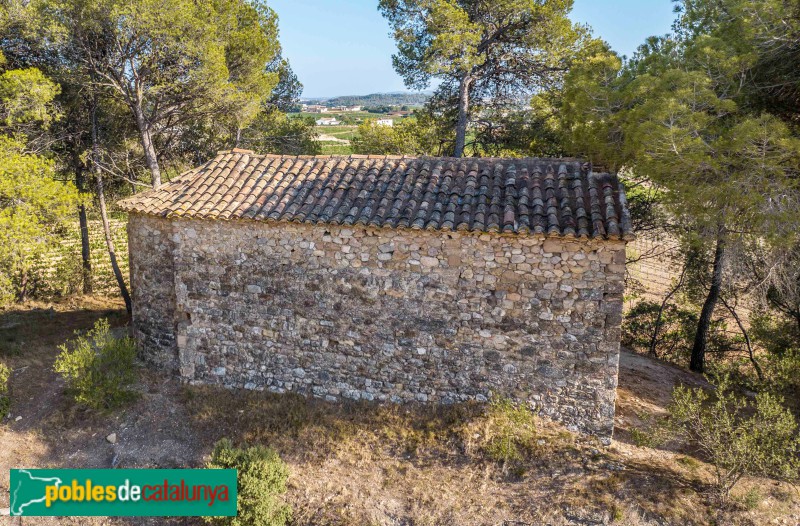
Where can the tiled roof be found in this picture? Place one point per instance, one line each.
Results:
(553, 197)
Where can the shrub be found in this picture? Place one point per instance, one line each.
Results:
(780, 338)
(738, 437)
(752, 499)
(511, 431)
(774, 333)
(99, 369)
(675, 333)
(782, 375)
(261, 481)
(5, 398)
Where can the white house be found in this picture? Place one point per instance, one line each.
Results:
(327, 121)
(384, 122)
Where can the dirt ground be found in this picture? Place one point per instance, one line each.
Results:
(359, 463)
(330, 138)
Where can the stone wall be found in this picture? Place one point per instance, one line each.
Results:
(151, 252)
(395, 315)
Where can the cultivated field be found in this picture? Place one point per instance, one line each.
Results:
(335, 140)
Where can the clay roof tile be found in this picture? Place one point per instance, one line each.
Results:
(554, 197)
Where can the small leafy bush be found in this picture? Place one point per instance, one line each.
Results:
(261, 481)
(738, 437)
(512, 431)
(752, 499)
(778, 354)
(774, 333)
(782, 375)
(675, 333)
(99, 369)
(5, 398)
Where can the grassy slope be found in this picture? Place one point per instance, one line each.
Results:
(367, 464)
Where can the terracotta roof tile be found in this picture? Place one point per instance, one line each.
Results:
(553, 197)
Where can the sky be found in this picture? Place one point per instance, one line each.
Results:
(343, 47)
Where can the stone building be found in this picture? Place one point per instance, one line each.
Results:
(388, 279)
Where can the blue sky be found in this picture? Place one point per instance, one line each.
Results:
(343, 47)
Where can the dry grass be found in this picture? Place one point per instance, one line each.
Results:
(359, 463)
(362, 463)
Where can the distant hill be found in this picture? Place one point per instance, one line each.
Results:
(379, 99)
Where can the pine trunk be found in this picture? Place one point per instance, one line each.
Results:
(698, 359)
(150, 157)
(463, 116)
(84, 224)
(123, 289)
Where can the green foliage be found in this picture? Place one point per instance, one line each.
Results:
(201, 56)
(675, 334)
(377, 109)
(738, 437)
(98, 368)
(274, 132)
(188, 77)
(682, 113)
(512, 431)
(412, 136)
(33, 205)
(57, 272)
(774, 333)
(5, 397)
(782, 376)
(752, 43)
(670, 115)
(447, 38)
(717, 164)
(26, 95)
(33, 209)
(488, 55)
(262, 477)
(520, 133)
(643, 437)
(752, 499)
(775, 337)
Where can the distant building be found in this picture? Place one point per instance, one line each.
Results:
(315, 108)
(344, 108)
(327, 121)
(385, 122)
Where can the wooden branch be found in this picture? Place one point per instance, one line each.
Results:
(659, 317)
(746, 337)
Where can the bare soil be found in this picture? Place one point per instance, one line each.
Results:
(359, 463)
(331, 138)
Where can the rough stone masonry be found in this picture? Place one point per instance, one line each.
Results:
(314, 275)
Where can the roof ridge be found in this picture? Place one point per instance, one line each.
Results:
(243, 151)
